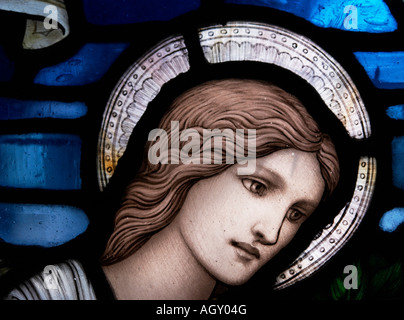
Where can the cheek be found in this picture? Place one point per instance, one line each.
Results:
(286, 235)
(213, 201)
(200, 217)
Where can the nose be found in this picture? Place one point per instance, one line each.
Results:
(268, 228)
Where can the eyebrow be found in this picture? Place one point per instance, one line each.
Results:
(280, 182)
(276, 178)
(307, 204)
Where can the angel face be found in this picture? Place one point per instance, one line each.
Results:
(233, 224)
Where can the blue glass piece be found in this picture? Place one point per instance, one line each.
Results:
(361, 15)
(90, 63)
(398, 161)
(40, 161)
(392, 219)
(13, 109)
(385, 69)
(40, 225)
(110, 12)
(396, 112)
(6, 66)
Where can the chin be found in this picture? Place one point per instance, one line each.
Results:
(233, 279)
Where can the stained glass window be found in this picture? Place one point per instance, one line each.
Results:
(57, 76)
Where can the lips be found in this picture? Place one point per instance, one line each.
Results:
(247, 248)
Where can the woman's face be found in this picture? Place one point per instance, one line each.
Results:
(234, 224)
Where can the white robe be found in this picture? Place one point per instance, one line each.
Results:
(63, 281)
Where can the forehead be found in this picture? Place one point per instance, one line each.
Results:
(293, 170)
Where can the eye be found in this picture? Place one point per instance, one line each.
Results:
(254, 186)
(295, 215)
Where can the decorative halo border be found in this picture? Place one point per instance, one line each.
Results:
(248, 41)
(135, 90)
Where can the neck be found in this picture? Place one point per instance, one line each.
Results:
(163, 269)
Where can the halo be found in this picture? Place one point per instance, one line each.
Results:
(249, 41)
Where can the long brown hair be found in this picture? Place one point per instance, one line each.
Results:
(157, 193)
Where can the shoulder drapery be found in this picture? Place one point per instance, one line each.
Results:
(64, 281)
